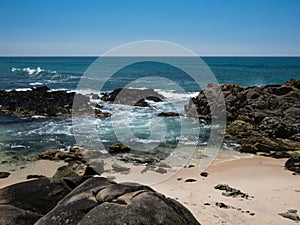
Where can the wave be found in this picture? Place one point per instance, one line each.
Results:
(31, 71)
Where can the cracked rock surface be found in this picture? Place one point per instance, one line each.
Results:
(88, 200)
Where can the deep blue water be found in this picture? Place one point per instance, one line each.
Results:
(36, 134)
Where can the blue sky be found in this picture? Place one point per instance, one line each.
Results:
(92, 27)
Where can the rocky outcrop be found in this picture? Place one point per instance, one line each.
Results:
(260, 119)
(84, 200)
(133, 97)
(39, 101)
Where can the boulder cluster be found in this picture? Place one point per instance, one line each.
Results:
(261, 119)
(88, 200)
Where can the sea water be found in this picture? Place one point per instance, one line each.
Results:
(29, 135)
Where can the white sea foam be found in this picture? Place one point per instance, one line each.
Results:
(23, 89)
(32, 71)
(35, 83)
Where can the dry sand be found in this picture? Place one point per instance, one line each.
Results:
(273, 188)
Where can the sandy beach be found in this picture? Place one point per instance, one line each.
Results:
(271, 188)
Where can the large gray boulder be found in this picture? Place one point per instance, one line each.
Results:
(88, 200)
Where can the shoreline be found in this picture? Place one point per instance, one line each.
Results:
(274, 190)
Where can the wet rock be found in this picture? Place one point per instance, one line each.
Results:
(290, 214)
(117, 148)
(134, 97)
(99, 113)
(40, 101)
(4, 175)
(293, 164)
(169, 114)
(260, 119)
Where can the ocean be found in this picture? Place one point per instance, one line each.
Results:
(29, 135)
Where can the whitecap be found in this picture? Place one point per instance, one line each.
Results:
(35, 83)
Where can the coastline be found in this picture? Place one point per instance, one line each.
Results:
(274, 190)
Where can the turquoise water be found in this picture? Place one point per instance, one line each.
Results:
(28, 135)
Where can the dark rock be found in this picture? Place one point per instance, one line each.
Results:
(231, 192)
(290, 214)
(260, 119)
(40, 101)
(4, 174)
(222, 205)
(99, 113)
(293, 164)
(15, 216)
(169, 114)
(190, 180)
(117, 148)
(204, 174)
(134, 97)
(34, 176)
(100, 201)
(37, 196)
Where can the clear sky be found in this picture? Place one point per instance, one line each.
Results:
(208, 27)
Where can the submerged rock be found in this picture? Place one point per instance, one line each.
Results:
(169, 114)
(88, 201)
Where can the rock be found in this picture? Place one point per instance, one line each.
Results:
(15, 216)
(190, 180)
(293, 164)
(169, 114)
(117, 148)
(37, 196)
(222, 205)
(260, 119)
(120, 169)
(73, 154)
(4, 175)
(231, 192)
(101, 201)
(161, 170)
(290, 214)
(40, 101)
(99, 113)
(78, 169)
(204, 174)
(134, 97)
(34, 176)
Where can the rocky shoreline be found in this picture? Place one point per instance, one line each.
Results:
(260, 119)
